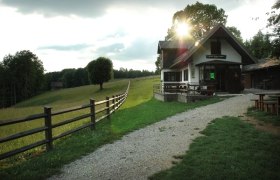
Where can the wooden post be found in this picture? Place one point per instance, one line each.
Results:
(48, 131)
(92, 112)
(118, 101)
(113, 103)
(108, 107)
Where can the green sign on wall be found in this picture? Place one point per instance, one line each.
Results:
(212, 75)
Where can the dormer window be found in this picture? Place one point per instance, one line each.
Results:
(215, 47)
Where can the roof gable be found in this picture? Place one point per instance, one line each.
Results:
(220, 31)
(174, 45)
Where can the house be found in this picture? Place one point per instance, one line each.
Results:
(56, 85)
(262, 75)
(214, 62)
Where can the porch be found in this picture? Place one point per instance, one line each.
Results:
(182, 92)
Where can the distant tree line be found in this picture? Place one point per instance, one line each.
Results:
(69, 78)
(22, 76)
(124, 73)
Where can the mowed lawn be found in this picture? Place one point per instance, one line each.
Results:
(230, 148)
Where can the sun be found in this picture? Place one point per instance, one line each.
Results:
(182, 29)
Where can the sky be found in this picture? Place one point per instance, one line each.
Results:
(71, 33)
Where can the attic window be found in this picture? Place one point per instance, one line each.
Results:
(216, 47)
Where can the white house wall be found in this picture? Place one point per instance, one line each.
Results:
(193, 76)
(226, 49)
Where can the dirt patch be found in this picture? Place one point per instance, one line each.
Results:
(263, 126)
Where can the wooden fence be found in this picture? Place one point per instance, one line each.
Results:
(179, 88)
(111, 105)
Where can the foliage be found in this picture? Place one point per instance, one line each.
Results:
(236, 33)
(22, 77)
(124, 73)
(158, 66)
(229, 149)
(100, 71)
(69, 78)
(274, 23)
(202, 17)
(259, 46)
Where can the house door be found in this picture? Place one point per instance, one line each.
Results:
(221, 78)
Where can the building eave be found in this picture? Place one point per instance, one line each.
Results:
(233, 41)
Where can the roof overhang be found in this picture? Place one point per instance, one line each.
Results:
(218, 62)
(220, 31)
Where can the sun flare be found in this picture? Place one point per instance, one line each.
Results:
(183, 29)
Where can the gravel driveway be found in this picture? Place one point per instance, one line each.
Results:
(151, 149)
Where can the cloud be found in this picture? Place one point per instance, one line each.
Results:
(114, 48)
(75, 47)
(139, 49)
(88, 8)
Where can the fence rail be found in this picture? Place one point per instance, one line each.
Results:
(111, 105)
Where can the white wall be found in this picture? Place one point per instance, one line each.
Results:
(193, 74)
(226, 49)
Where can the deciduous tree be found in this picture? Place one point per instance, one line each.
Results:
(100, 71)
(24, 74)
(201, 17)
(274, 23)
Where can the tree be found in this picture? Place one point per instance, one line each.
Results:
(81, 77)
(274, 23)
(157, 63)
(202, 18)
(25, 73)
(259, 46)
(68, 76)
(100, 71)
(236, 33)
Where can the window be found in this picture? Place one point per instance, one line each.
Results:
(172, 76)
(186, 77)
(216, 47)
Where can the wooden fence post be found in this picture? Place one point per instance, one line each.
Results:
(118, 99)
(108, 106)
(92, 112)
(48, 131)
(114, 103)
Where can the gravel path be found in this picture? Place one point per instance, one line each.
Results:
(149, 150)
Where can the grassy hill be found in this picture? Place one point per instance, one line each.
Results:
(140, 91)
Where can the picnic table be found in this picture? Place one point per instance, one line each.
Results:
(261, 102)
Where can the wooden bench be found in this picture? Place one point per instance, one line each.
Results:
(271, 103)
(256, 103)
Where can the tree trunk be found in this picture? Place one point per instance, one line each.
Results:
(101, 86)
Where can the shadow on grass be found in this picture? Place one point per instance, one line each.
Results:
(264, 116)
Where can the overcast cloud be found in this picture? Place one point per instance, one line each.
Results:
(75, 32)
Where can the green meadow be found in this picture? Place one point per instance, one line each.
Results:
(140, 92)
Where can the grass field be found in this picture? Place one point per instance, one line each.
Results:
(229, 149)
(139, 110)
(58, 100)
